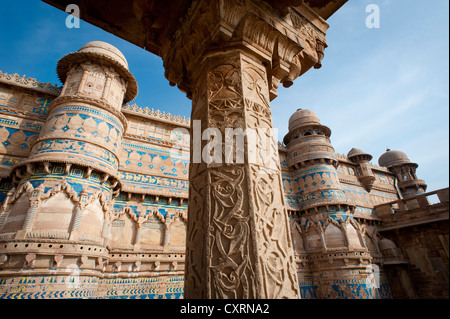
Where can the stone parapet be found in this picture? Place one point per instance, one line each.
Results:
(30, 83)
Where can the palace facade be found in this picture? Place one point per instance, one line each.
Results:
(95, 199)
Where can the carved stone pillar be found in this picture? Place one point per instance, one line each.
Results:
(4, 207)
(229, 57)
(85, 69)
(35, 203)
(106, 229)
(167, 224)
(238, 243)
(79, 213)
(137, 240)
(109, 216)
(140, 220)
(107, 87)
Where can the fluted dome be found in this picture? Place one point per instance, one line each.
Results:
(102, 53)
(393, 158)
(106, 49)
(302, 117)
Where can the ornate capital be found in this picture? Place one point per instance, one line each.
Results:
(287, 44)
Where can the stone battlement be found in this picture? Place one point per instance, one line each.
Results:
(30, 83)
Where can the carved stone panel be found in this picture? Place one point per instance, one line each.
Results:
(238, 237)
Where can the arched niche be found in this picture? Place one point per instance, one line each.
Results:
(353, 237)
(152, 233)
(178, 233)
(55, 213)
(313, 239)
(92, 219)
(334, 237)
(297, 239)
(123, 231)
(16, 215)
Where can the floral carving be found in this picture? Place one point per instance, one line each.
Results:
(247, 235)
(232, 272)
(272, 227)
(224, 82)
(276, 40)
(196, 235)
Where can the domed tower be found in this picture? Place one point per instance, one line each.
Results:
(85, 124)
(336, 253)
(57, 215)
(311, 155)
(364, 172)
(399, 164)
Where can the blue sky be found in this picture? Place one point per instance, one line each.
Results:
(378, 88)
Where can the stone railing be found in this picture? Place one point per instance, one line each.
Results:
(414, 210)
(31, 83)
(421, 201)
(377, 167)
(342, 157)
(157, 115)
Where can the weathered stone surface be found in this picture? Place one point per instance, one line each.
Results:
(237, 207)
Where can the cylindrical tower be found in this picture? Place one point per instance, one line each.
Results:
(85, 124)
(364, 172)
(312, 156)
(335, 250)
(53, 222)
(399, 164)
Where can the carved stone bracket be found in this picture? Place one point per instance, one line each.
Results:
(287, 45)
(30, 260)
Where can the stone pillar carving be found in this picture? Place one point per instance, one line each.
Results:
(110, 216)
(236, 210)
(85, 69)
(107, 87)
(322, 236)
(4, 207)
(137, 239)
(79, 212)
(168, 221)
(35, 203)
(140, 220)
(229, 57)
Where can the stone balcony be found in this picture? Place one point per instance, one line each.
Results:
(414, 210)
